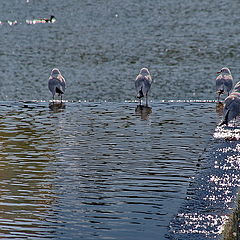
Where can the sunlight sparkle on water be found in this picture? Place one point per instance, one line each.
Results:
(227, 133)
(195, 219)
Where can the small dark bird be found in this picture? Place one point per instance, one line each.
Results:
(52, 19)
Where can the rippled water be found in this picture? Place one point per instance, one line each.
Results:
(98, 167)
(97, 170)
(211, 196)
(100, 47)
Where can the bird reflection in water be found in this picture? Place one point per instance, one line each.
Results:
(143, 111)
(219, 108)
(57, 106)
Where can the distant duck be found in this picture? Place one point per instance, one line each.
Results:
(52, 19)
(224, 82)
(143, 84)
(56, 83)
(11, 23)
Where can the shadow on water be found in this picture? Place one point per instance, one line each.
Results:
(143, 111)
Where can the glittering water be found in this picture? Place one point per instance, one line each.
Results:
(100, 47)
(211, 196)
(98, 168)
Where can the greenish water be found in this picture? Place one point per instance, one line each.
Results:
(98, 170)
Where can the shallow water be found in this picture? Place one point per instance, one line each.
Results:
(98, 170)
(211, 196)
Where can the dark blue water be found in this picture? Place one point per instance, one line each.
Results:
(100, 47)
(98, 170)
(97, 167)
(212, 194)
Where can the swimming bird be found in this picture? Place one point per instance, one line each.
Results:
(224, 82)
(56, 83)
(143, 84)
(11, 23)
(231, 105)
(52, 19)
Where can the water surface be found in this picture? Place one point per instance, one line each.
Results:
(101, 46)
(98, 170)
